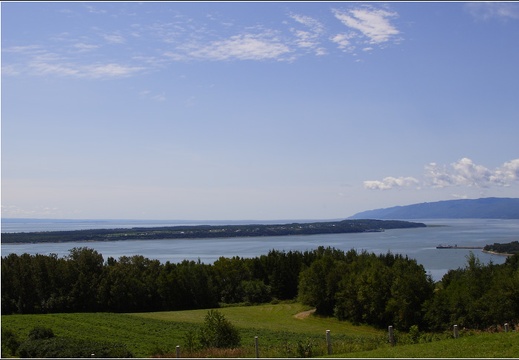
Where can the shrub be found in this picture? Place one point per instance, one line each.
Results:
(10, 343)
(39, 333)
(218, 332)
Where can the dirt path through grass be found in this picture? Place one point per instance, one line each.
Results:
(304, 314)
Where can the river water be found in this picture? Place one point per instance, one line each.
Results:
(419, 243)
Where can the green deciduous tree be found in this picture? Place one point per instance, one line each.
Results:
(229, 274)
(86, 269)
(318, 284)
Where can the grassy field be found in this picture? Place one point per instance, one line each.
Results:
(496, 345)
(283, 330)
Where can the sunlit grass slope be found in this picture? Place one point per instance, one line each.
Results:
(279, 317)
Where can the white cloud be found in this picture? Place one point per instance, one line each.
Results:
(507, 173)
(85, 47)
(23, 49)
(312, 23)
(369, 22)
(390, 183)
(38, 61)
(309, 38)
(464, 172)
(109, 70)
(183, 38)
(10, 70)
(114, 38)
(51, 64)
(242, 47)
(343, 41)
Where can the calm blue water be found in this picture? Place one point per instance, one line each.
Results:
(419, 244)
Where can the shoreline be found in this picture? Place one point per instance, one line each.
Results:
(496, 253)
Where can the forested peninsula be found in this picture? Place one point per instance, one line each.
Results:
(209, 231)
(509, 249)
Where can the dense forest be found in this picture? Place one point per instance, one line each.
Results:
(209, 231)
(359, 287)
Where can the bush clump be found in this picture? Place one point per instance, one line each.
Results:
(218, 332)
(10, 343)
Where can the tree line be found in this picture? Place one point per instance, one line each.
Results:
(361, 287)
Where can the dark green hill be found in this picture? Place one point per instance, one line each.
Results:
(485, 208)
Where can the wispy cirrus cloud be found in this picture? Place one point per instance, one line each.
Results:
(85, 47)
(241, 47)
(343, 41)
(47, 63)
(109, 70)
(493, 10)
(114, 38)
(96, 52)
(464, 172)
(42, 62)
(309, 37)
(368, 24)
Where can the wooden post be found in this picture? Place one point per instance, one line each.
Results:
(256, 346)
(329, 342)
(178, 351)
(506, 327)
(456, 332)
(391, 335)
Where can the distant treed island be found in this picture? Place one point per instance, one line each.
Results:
(208, 231)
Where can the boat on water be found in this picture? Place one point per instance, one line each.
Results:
(445, 246)
(457, 247)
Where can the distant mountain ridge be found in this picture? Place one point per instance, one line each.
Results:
(484, 208)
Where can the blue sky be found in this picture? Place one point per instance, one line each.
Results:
(264, 110)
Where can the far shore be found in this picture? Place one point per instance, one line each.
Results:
(496, 253)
